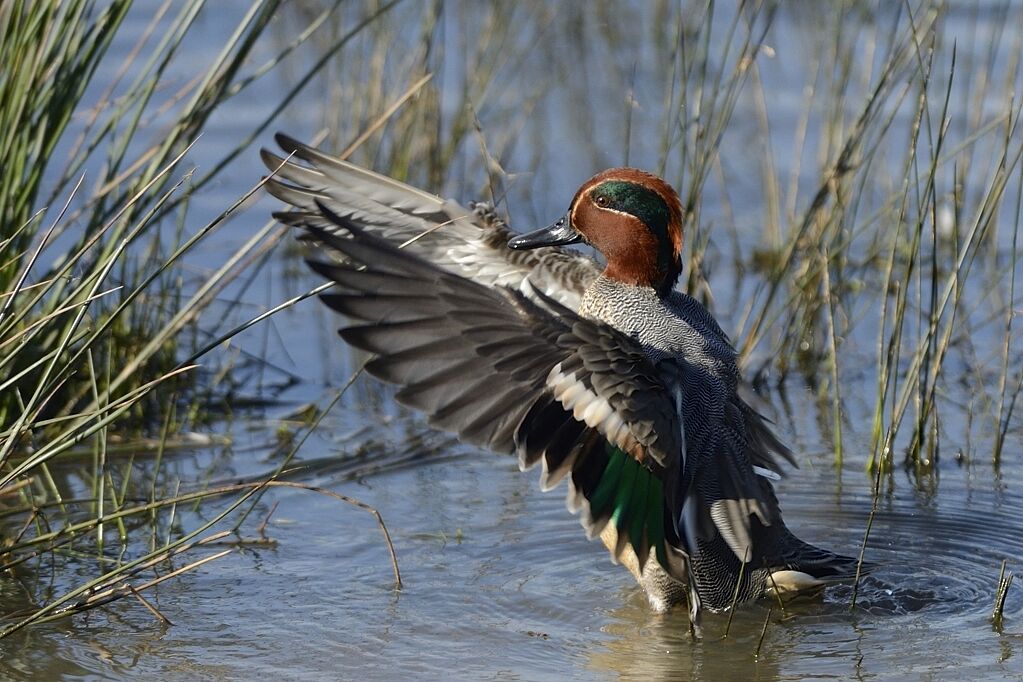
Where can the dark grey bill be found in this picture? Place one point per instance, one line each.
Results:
(557, 234)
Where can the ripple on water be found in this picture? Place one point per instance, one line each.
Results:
(924, 610)
(943, 561)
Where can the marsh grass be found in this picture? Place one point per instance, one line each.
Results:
(113, 303)
(903, 227)
(1001, 594)
(97, 305)
(915, 216)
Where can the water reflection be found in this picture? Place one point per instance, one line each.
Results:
(499, 579)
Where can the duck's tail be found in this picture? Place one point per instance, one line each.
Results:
(803, 566)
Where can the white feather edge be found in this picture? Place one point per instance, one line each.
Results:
(789, 581)
(588, 407)
(766, 473)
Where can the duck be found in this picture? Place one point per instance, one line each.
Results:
(605, 376)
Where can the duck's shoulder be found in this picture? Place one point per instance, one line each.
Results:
(690, 310)
(557, 272)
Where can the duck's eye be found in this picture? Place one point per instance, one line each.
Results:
(602, 201)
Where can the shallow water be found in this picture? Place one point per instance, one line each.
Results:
(499, 581)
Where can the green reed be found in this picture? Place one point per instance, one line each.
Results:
(138, 359)
(96, 305)
(902, 227)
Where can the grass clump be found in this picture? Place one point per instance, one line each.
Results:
(98, 311)
(99, 322)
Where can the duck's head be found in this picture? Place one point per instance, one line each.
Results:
(632, 217)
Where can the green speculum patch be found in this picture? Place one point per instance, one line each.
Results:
(635, 499)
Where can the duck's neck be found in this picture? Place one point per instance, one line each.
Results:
(611, 300)
(645, 275)
(641, 261)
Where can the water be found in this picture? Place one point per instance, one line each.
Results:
(499, 581)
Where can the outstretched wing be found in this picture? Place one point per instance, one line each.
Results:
(471, 243)
(516, 374)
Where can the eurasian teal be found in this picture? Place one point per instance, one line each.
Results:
(608, 378)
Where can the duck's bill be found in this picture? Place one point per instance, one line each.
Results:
(557, 234)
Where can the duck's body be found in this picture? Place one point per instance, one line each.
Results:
(611, 379)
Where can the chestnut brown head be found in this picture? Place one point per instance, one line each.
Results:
(632, 217)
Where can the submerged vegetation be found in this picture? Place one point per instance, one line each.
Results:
(879, 245)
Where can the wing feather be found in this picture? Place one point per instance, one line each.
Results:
(515, 373)
(469, 242)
